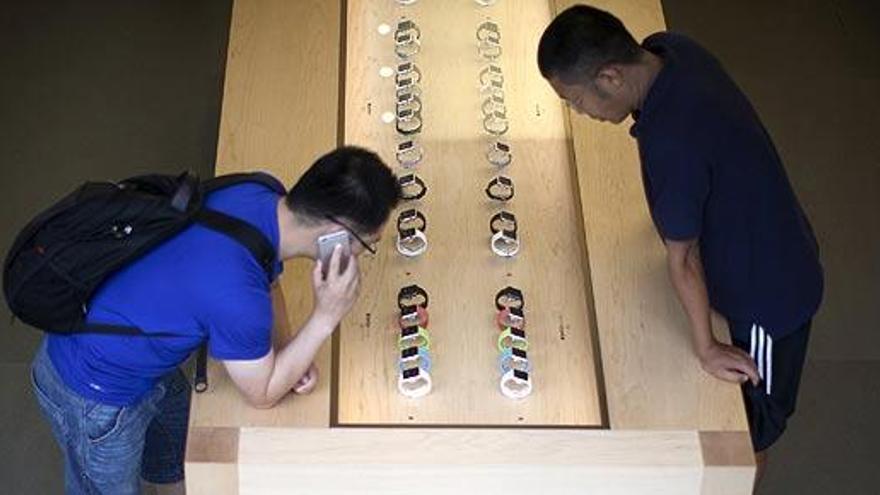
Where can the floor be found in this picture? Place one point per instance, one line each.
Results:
(108, 89)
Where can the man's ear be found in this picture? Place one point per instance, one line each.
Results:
(609, 79)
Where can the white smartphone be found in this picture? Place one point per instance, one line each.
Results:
(326, 244)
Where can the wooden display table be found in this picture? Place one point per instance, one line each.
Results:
(620, 404)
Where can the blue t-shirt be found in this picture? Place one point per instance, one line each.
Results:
(711, 172)
(199, 284)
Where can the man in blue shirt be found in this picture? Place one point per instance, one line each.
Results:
(736, 237)
(118, 405)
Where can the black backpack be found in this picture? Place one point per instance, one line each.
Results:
(65, 253)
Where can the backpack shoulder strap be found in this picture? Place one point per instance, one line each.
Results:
(239, 230)
(233, 179)
(243, 232)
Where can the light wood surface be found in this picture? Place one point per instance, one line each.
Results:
(459, 270)
(391, 461)
(280, 112)
(653, 379)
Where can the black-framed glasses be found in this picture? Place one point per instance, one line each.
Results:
(371, 248)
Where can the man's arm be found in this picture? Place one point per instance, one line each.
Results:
(266, 380)
(686, 272)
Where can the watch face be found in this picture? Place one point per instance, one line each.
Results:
(409, 352)
(518, 352)
(413, 372)
(518, 333)
(503, 147)
(409, 331)
(520, 374)
(404, 67)
(404, 146)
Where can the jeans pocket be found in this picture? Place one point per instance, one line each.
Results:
(50, 408)
(102, 421)
(43, 395)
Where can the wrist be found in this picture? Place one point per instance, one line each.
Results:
(705, 348)
(325, 321)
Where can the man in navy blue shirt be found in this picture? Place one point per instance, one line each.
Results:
(118, 405)
(736, 237)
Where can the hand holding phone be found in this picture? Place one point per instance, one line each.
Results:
(326, 245)
(336, 290)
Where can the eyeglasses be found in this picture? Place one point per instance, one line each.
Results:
(371, 248)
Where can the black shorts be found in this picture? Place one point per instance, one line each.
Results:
(772, 401)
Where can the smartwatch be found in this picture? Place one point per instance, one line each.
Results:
(516, 384)
(408, 121)
(413, 316)
(409, 154)
(511, 318)
(414, 383)
(499, 154)
(500, 188)
(412, 295)
(494, 103)
(512, 337)
(414, 336)
(491, 73)
(412, 187)
(496, 123)
(408, 70)
(508, 298)
(415, 357)
(514, 359)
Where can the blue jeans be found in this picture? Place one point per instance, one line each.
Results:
(107, 449)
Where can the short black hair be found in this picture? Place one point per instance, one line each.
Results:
(581, 41)
(349, 184)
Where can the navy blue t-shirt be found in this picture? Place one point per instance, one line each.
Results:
(199, 284)
(712, 173)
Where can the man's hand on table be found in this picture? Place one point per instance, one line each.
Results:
(308, 382)
(728, 363)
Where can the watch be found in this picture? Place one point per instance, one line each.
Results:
(508, 298)
(408, 101)
(516, 384)
(414, 336)
(505, 243)
(512, 337)
(405, 81)
(415, 357)
(414, 383)
(496, 123)
(494, 103)
(408, 70)
(513, 358)
(412, 295)
(409, 154)
(411, 242)
(500, 188)
(499, 154)
(488, 29)
(511, 318)
(408, 121)
(491, 73)
(503, 220)
(413, 315)
(412, 187)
